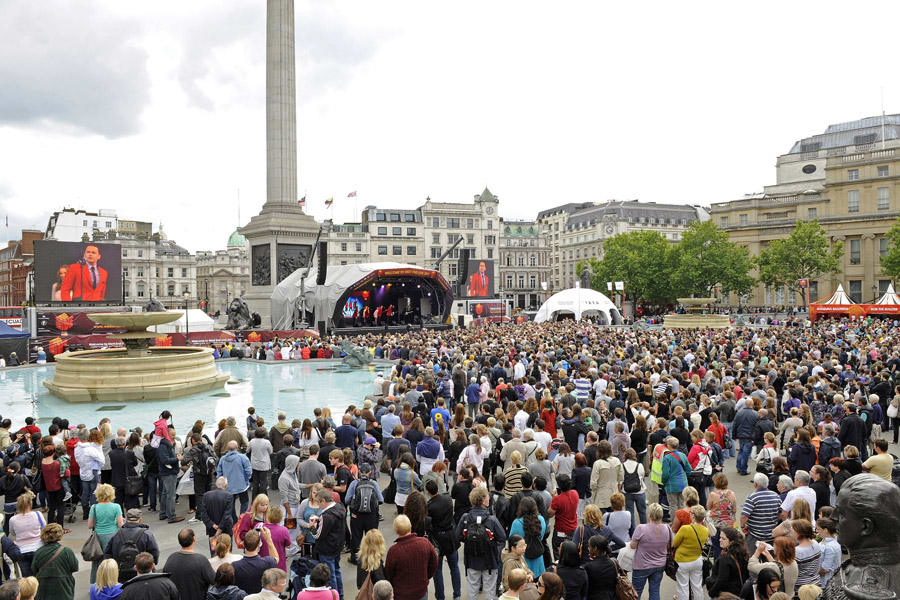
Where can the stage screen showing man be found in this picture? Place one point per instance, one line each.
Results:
(481, 279)
(77, 272)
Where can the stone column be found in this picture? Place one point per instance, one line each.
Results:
(867, 257)
(281, 106)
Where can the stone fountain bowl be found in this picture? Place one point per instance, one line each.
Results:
(135, 321)
(697, 301)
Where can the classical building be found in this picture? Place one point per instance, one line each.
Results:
(348, 243)
(155, 267)
(223, 275)
(394, 234)
(524, 267)
(16, 262)
(576, 232)
(478, 224)
(71, 225)
(847, 178)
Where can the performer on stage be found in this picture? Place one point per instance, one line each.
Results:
(378, 312)
(389, 313)
(367, 314)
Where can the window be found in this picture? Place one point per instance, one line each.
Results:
(382, 250)
(490, 240)
(397, 250)
(140, 290)
(184, 272)
(124, 271)
(171, 289)
(533, 260)
(409, 217)
(852, 174)
(743, 219)
(127, 293)
(124, 252)
(812, 213)
(533, 282)
(435, 253)
(170, 272)
(452, 269)
(884, 198)
(359, 246)
(84, 223)
(140, 272)
(411, 250)
(435, 238)
(411, 231)
(521, 281)
(343, 246)
(470, 238)
(109, 223)
(856, 290)
(883, 244)
(343, 262)
(435, 221)
(854, 252)
(521, 261)
(382, 231)
(140, 253)
(490, 224)
(883, 171)
(396, 231)
(509, 281)
(452, 223)
(380, 217)
(395, 217)
(853, 201)
(508, 260)
(470, 223)
(723, 221)
(490, 253)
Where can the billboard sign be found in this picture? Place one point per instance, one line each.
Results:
(480, 283)
(77, 272)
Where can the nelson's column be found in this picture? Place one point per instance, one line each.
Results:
(281, 235)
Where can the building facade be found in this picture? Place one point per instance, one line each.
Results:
(348, 243)
(524, 267)
(478, 224)
(553, 224)
(16, 264)
(71, 225)
(394, 234)
(223, 275)
(847, 178)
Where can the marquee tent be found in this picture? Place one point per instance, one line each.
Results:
(341, 282)
(199, 321)
(839, 303)
(579, 302)
(13, 340)
(888, 304)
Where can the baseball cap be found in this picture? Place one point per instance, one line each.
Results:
(370, 440)
(133, 514)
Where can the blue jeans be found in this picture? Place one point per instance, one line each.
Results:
(167, 496)
(334, 564)
(636, 502)
(743, 458)
(87, 491)
(453, 563)
(152, 493)
(640, 576)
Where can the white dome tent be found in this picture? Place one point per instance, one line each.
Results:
(580, 303)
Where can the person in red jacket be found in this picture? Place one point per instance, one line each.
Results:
(305, 353)
(410, 563)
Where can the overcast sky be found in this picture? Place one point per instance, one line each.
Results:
(157, 109)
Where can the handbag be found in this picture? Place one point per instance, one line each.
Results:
(892, 411)
(92, 550)
(37, 481)
(624, 588)
(671, 567)
(704, 555)
(367, 591)
(626, 557)
(134, 485)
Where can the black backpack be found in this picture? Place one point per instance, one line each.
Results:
(534, 548)
(128, 551)
(365, 500)
(632, 482)
(479, 540)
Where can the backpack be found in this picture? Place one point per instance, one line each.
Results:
(236, 530)
(632, 482)
(727, 442)
(128, 551)
(208, 462)
(479, 540)
(365, 500)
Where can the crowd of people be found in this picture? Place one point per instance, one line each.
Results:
(559, 460)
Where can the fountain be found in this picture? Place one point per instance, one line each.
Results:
(696, 316)
(137, 372)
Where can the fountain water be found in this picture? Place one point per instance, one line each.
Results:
(137, 372)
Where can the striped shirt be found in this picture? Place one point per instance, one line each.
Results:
(807, 565)
(761, 509)
(582, 389)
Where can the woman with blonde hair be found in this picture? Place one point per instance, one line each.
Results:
(105, 518)
(256, 516)
(800, 510)
(372, 551)
(688, 544)
(107, 586)
(221, 547)
(513, 474)
(25, 528)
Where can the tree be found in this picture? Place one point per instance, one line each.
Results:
(641, 259)
(890, 262)
(805, 254)
(707, 259)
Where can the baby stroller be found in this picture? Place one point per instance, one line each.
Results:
(70, 507)
(300, 568)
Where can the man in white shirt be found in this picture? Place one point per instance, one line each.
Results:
(542, 437)
(519, 370)
(801, 490)
(600, 385)
(379, 384)
(520, 420)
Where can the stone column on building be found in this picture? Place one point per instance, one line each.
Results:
(834, 280)
(867, 256)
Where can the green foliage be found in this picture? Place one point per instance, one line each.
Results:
(707, 259)
(805, 254)
(890, 263)
(642, 259)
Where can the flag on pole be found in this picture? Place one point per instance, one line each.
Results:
(352, 194)
(302, 202)
(329, 202)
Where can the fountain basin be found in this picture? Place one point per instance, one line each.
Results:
(114, 375)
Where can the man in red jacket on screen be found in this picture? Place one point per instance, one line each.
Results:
(478, 282)
(85, 280)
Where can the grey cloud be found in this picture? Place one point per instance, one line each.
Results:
(65, 66)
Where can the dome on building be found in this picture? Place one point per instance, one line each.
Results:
(236, 240)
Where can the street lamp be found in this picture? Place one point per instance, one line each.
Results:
(874, 292)
(187, 319)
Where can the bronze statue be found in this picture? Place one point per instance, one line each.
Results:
(238, 315)
(154, 306)
(868, 523)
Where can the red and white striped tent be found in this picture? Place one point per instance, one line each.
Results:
(838, 303)
(888, 304)
(839, 298)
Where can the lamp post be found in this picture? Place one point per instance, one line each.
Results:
(874, 292)
(187, 320)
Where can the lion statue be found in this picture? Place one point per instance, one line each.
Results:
(356, 356)
(154, 306)
(238, 315)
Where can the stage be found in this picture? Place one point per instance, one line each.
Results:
(390, 329)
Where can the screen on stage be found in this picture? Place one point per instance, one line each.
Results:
(77, 272)
(481, 279)
(352, 307)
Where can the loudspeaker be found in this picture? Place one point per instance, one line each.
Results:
(323, 263)
(322, 332)
(460, 321)
(462, 268)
